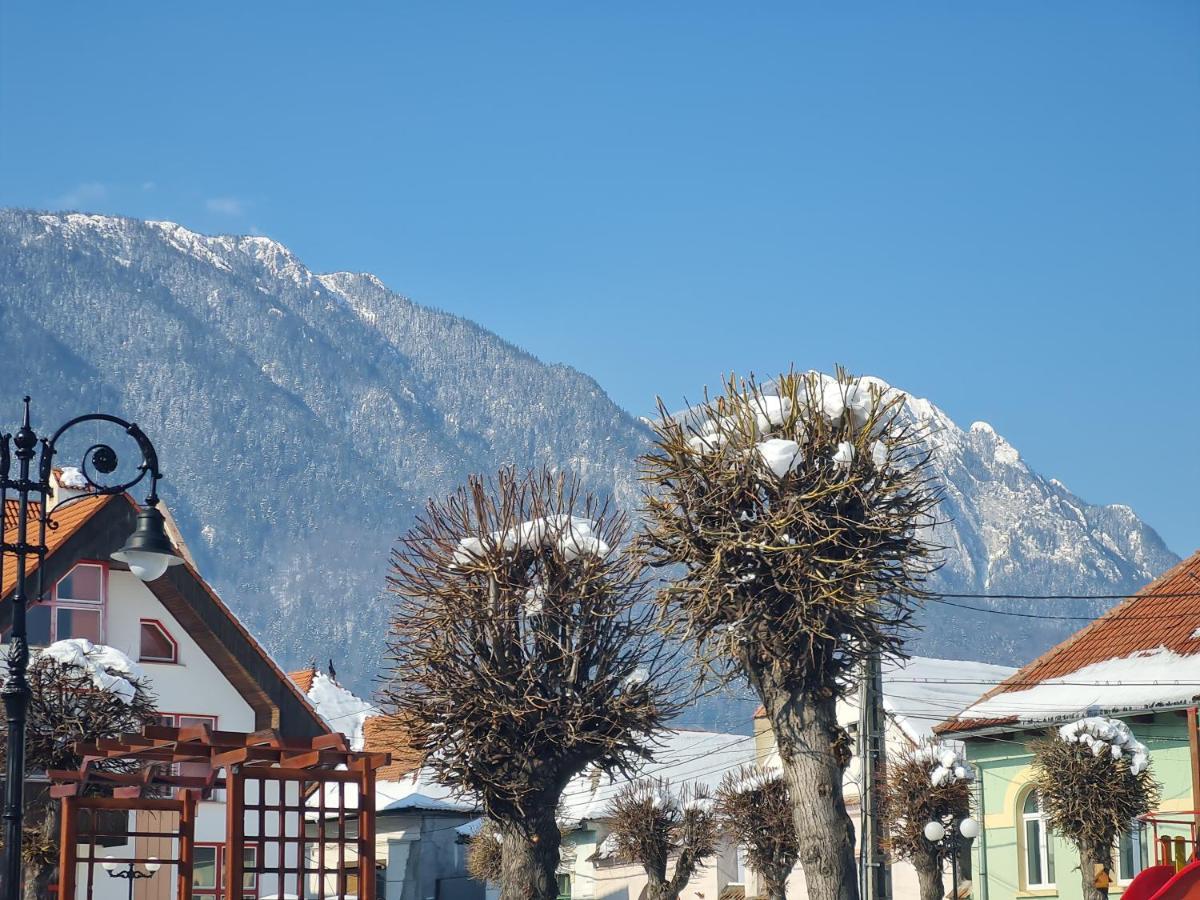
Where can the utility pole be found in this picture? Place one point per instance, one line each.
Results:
(876, 873)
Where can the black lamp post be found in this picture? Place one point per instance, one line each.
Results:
(148, 552)
(131, 871)
(949, 838)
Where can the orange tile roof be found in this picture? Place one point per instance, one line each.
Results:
(70, 518)
(303, 679)
(387, 734)
(1164, 613)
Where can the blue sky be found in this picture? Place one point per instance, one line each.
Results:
(993, 205)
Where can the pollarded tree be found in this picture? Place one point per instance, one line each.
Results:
(796, 515)
(78, 692)
(523, 651)
(930, 783)
(755, 810)
(1094, 779)
(652, 822)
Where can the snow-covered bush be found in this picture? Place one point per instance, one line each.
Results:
(795, 515)
(653, 822)
(1094, 778)
(930, 783)
(755, 810)
(79, 691)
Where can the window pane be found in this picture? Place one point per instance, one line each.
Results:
(82, 583)
(1049, 858)
(78, 623)
(204, 868)
(155, 643)
(37, 625)
(249, 862)
(1031, 804)
(1125, 856)
(1033, 852)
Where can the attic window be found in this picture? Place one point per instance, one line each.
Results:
(74, 609)
(157, 645)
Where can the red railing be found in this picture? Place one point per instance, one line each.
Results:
(1174, 836)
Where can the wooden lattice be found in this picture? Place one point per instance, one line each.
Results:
(304, 809)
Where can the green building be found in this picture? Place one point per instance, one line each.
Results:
(1140, 662)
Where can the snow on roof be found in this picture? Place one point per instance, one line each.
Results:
(1142, 654)
(110, 669)
(416, 791)
(922, 691)
(341, 710)
(470, 829)
(696, 757)
(1143, 680)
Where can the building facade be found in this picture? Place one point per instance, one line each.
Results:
(1140, 663)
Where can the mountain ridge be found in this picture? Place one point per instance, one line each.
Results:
(228, 350)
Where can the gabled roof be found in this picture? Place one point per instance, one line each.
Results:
(303, 679)
(93, 528)
(69, 520)
(1142, 654)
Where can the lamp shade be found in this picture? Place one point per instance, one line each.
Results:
(934, 832)
(148, 551)
(969, 828)
(152, 864)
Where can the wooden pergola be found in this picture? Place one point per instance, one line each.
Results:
(274, 787)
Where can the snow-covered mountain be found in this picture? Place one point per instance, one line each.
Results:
(303, 418)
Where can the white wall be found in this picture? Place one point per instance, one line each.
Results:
(193, 686)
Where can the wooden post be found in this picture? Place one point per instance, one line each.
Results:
(235, 827)
(366, 834)
(68, 847)
(187, 838)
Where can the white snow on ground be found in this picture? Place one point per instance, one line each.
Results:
(1112, 736)
(416, 790)
(341, 710)
(923, 691)
(573, 536)
(684, 757)
(110, 669)
(1143, 680)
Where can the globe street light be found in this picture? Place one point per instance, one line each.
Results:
(131, 872)
(148, 552)
(947, 841)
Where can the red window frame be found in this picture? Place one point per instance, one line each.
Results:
(170, 639)
(54, 604)
(218, 891)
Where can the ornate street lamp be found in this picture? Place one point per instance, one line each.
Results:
(148, 552)
(947, 837)
(131, 871)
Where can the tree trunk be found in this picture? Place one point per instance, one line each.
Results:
(529, 859)
(38, 877)
(1088, 860)
(659, 890)
(929, 875)
(775, 885)
(812, 751)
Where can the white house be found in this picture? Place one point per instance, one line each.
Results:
(201, 662)
(418, 854)
(917, 695)
(589, 870)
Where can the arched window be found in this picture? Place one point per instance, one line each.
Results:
(1039, 846)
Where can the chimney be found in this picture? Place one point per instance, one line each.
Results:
(65, 483)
